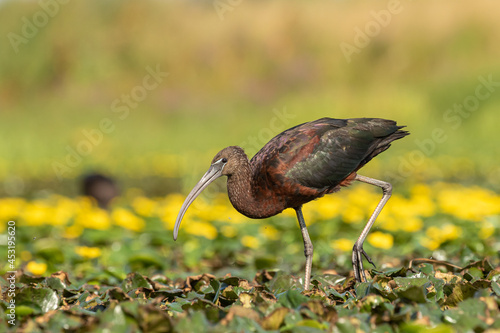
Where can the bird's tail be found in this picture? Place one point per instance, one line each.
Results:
(384, 144)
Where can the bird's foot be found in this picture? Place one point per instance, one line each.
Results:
(357, 262)
(368, 258)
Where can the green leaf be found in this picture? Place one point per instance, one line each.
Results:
(23, 310)
(152, 319)
(419, 328)
(292, 299)
(458, 292)
(495, 286)
(175, 307)
(265, 262)
(231, 281)
(362, 289)
(212, 292)
(393, 272)
(404, 282)
(329, 280)
(145, 260)
(40, 299)
(306, 326)
(370, 302)
(413, 289)
(53, 254)
(282, 282)
(55, 283)
(63, 321)
(29, 279)
(426, 268)
(134, 281)
(197, 322)
(413, 293)
(114, 320)
(169, 294)
(274, 320)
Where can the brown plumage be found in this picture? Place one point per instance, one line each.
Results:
(299, 165)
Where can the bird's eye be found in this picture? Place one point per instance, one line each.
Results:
(224, 160)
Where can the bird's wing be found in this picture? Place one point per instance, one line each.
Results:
(321, 154)
(338, 153)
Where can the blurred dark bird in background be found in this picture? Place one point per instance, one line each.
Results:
(102, 188)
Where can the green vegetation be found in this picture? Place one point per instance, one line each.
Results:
(272, 302)
(227, 272)
(202, 83)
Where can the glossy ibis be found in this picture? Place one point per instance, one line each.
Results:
(301, 164)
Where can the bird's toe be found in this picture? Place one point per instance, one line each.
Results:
(368, 257)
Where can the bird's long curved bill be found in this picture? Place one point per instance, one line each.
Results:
(214, 172)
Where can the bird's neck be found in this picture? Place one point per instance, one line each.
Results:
(247, 196)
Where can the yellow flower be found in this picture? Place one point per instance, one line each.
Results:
(423, 205)
(444, 233)
(210, 212)
(429, 243)
(329, 207)
(472, 203)
(451, 231)
(64, 210)
(234, 217)
(93, 218)
(421, 189)
(88, 252)
(197, 228)
(170, 208)
(269, 232)
(434, 233)
(487, 230)
(289, 213)
(126, 219)
(10, 208)
(144, 206)
(36, 213)
(363, 196)
(73, 231)
(229, 231)
(353, 214)
(381, 240)
(342, 244)
(36, 268)
(412, 224)
(388, 222)
(250, 241)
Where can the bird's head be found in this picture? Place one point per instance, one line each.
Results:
(225, 163)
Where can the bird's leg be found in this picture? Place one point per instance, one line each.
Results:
(357, 251)
(308, 247)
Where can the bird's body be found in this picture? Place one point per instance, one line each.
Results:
(304, 163)
(298, 165)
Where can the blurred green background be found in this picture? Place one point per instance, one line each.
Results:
(233, 67)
